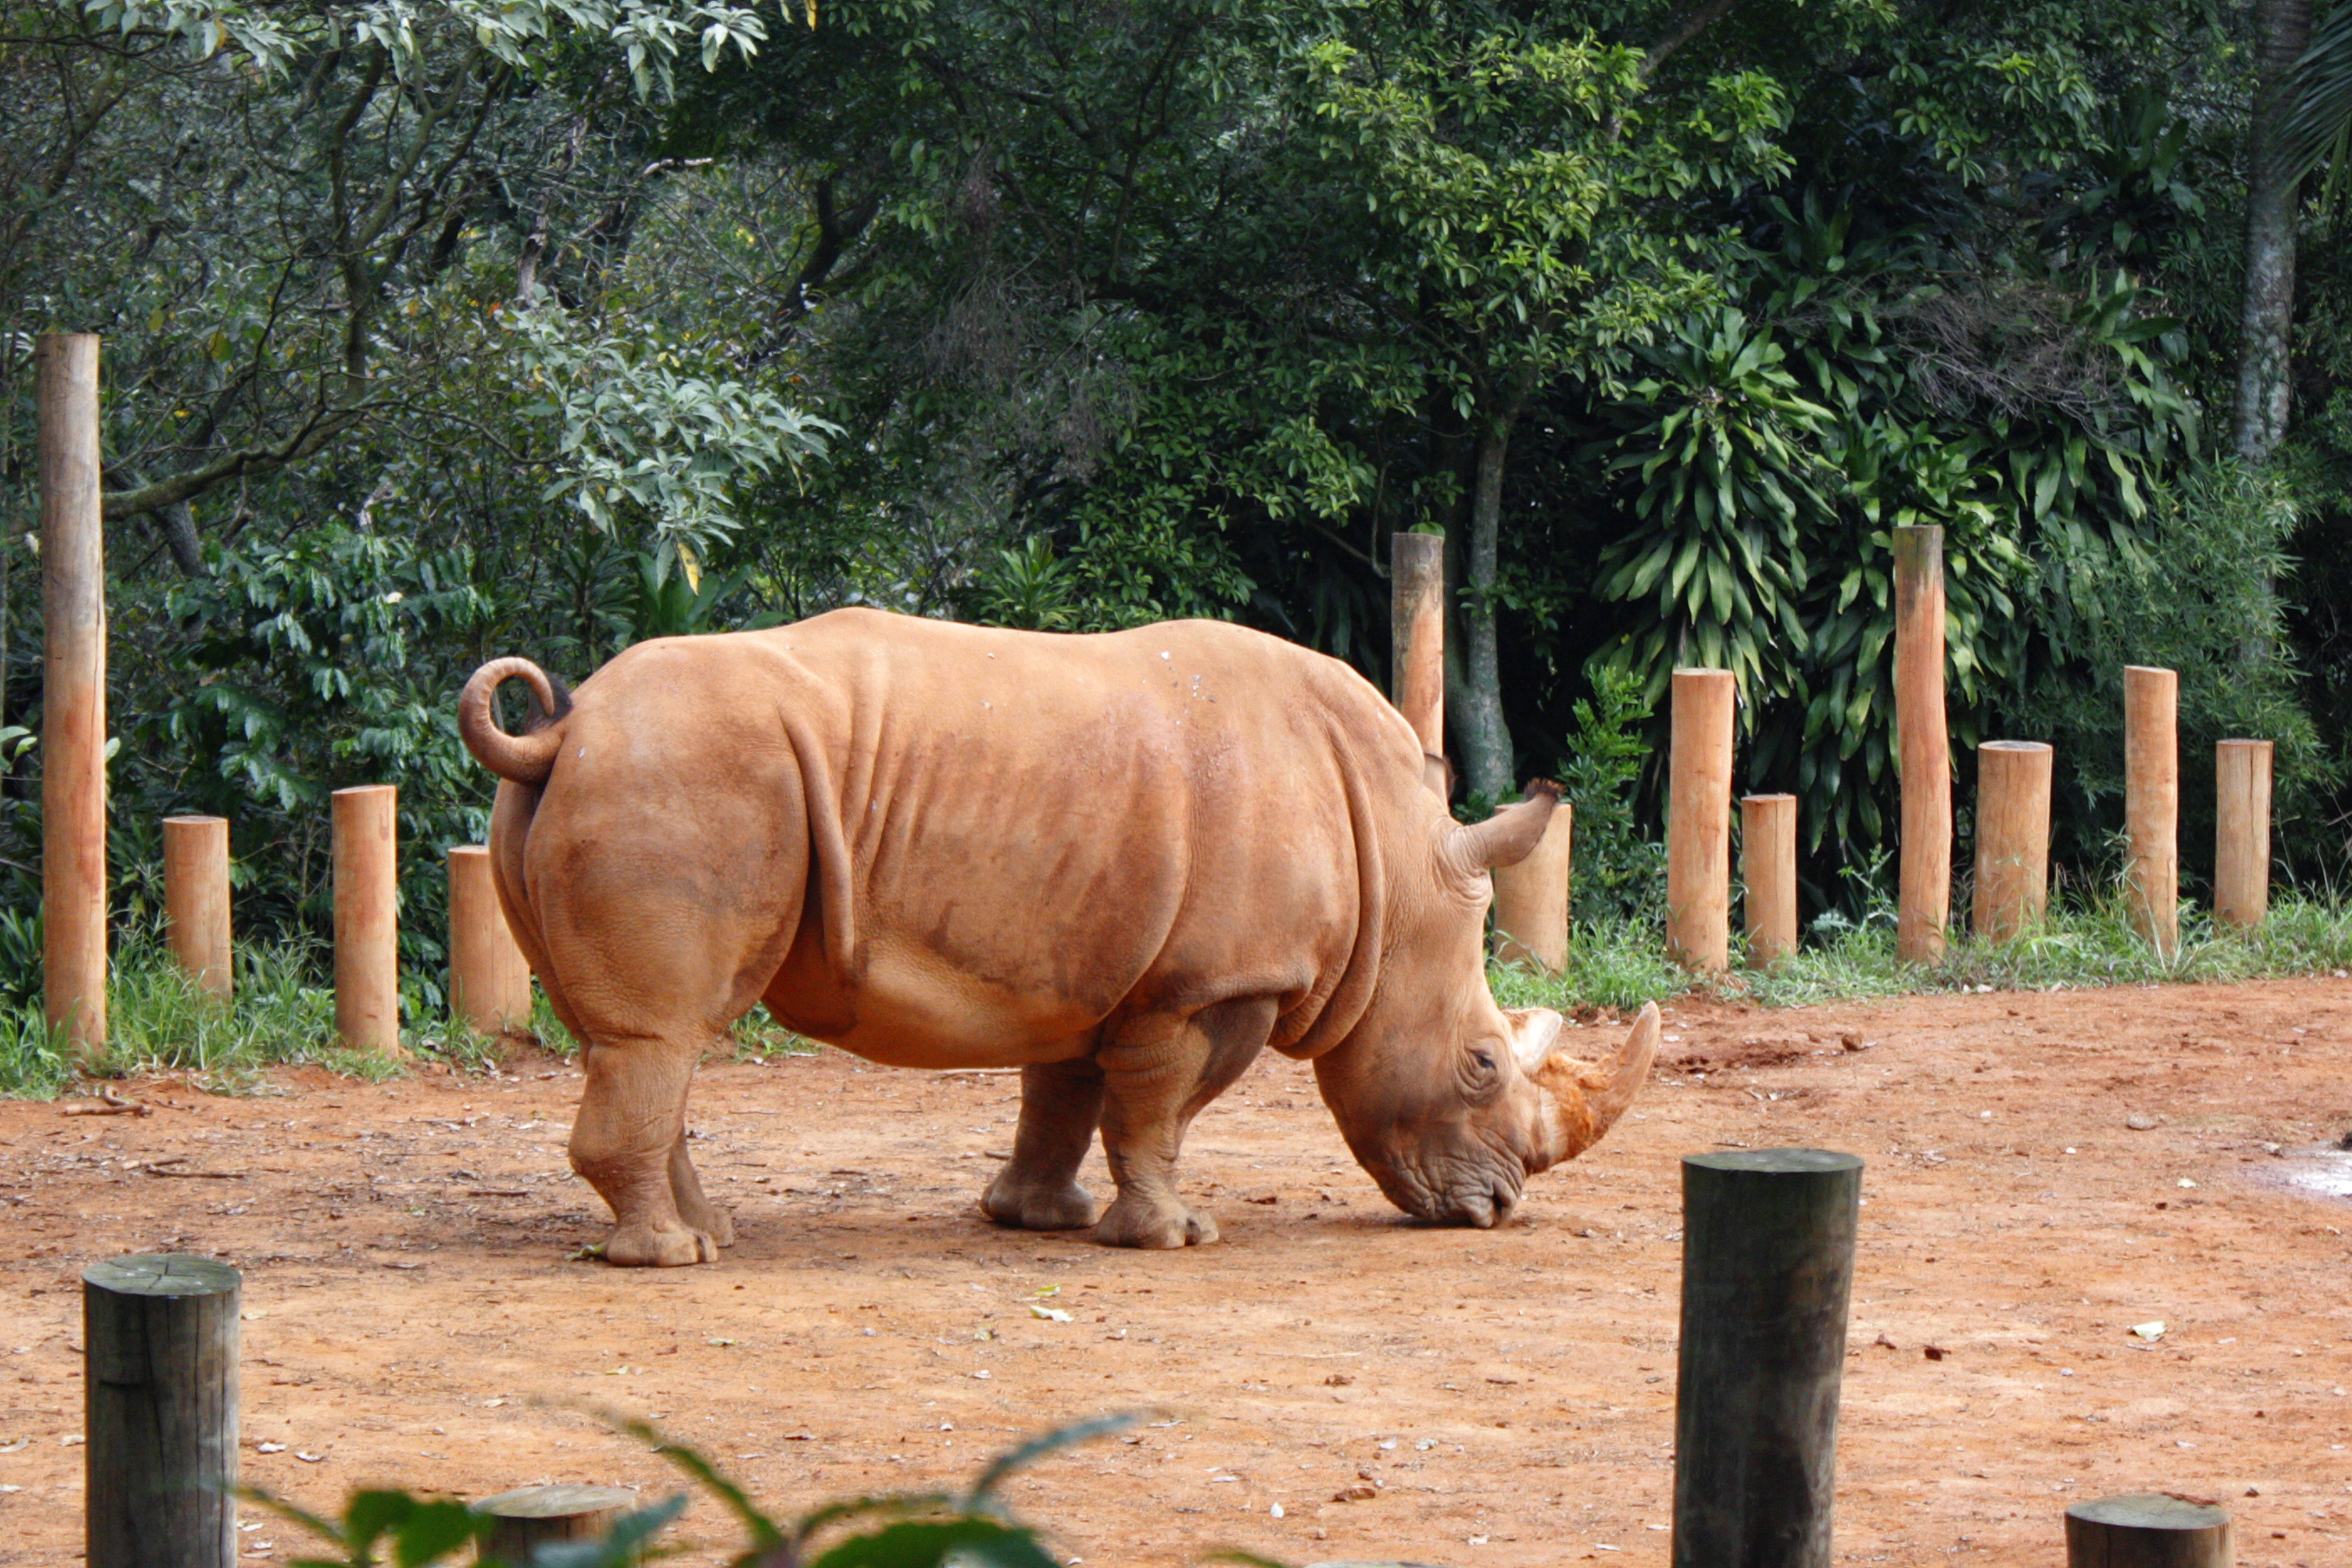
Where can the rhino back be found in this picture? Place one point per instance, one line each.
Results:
(1043, 831)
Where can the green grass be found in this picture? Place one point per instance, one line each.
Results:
(1623, 963)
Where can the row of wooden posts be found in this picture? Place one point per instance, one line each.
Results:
(489, 981)
(489, 984)
(2013, 785)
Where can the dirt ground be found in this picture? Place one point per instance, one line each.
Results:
(2044, 1171)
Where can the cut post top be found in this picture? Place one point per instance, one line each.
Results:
(163, 1274)
(2151, 1510)
(1776, 1161)
(555, 1501)
(2025, 746)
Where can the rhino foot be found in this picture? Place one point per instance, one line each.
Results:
(1068, 1206)
(1154, 1227)
(648, 1246)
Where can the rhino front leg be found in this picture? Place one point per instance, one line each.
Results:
(1155, 1077)
(627, 1141)
(1061, 1105)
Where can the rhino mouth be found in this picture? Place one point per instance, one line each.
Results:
(1471, 1196)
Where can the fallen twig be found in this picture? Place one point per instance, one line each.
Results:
(161, 1168)
(111, 1104)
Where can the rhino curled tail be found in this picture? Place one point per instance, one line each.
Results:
(527, 758)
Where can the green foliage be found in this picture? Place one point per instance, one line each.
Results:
(1620, 867)
(908, 1530)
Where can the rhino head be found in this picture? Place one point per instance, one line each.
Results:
(1450, 1101)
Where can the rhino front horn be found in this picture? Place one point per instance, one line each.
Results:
(1588, 1097)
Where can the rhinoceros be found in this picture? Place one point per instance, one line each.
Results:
(1124, 863)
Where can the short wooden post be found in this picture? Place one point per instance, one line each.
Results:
(2241, 833)
(489, 983)
(1699, 821)
(1768, 870)
(1924, 901)
(73, 689)
(2149, 1530)
(367, 921)
(1417, 632)
(2152, 803)
(536, 1514)
(1531, 897)
(195, 899)
(158, 1393)
(1768, 1267)
(2013, 837)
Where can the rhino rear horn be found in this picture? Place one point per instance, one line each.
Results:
(1504, 839)
(1588, 1097)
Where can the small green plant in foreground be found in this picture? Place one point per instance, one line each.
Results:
(903, 1530)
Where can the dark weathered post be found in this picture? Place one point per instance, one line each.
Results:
(537, 1514)
(1417, 634)
(2148, 1531)
(1767, 1266)
(160, 1394)
(1924, 900)
(73, 690)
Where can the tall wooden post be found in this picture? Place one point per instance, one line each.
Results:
(1768, 1267)
(1531, 897)
(1417, 629)
(2152, 803)
(1768, 867)
(1924, 902)
(2013, 837)
(367, 921)
(159, 1394)
(73, 690)
(2149, 1530)
(489, 983)
(1699, 821)
(2241, 833)
(196, 902)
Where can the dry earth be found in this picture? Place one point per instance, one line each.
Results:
(413, 1318)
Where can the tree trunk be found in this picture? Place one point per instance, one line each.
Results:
(2281, 32)
(1484, 741)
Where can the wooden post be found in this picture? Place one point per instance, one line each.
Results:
(1699, 821)
(536, 1514)
(1924, 903)
(489, 983)
(1767, 1267)
(1768, 870)
(2013, 837)
(1417, 630)
(2148, 1531)
(367, 919)
(1531, 897)
(159, 1392)
(2241, 833)
(195, 899)
(73, 690)
(2152, 803)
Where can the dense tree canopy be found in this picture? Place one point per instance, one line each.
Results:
(438, 329)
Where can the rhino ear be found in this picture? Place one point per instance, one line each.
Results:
(1535, 1030)
(1504, 839)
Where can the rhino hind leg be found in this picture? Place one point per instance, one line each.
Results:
(624, 1141)
(1157, 1076)
(1061, 1105)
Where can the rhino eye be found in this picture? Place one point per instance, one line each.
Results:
(1483, 1059)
